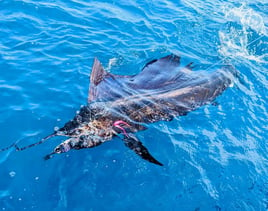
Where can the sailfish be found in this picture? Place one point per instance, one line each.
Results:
(122, 105)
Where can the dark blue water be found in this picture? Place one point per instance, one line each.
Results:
(215, 158)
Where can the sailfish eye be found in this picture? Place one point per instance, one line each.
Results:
(57, 150)
(82, 138)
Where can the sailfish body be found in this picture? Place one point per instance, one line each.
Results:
(122, 105)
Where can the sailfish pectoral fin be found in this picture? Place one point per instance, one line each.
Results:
(133, 143)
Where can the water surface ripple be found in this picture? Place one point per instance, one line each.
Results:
(215, 157)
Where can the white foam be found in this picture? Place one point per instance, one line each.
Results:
(247, 17)
(235, 41)
(112, 62)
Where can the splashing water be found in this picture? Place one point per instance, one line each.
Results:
(247, 17)
(245, 27)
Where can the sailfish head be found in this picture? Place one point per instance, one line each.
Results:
(79, 142)
(88, 129)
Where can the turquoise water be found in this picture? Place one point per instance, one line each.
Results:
(215, 158)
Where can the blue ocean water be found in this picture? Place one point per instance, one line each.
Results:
(215, 158)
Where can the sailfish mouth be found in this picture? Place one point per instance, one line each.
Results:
(61, 148)
(64, 147)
